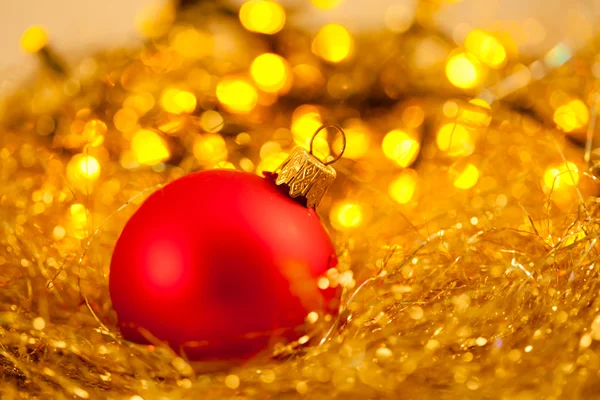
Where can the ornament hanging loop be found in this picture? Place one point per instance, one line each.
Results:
(305, 175)
(340, 130)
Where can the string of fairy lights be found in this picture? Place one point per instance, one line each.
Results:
(270, 76)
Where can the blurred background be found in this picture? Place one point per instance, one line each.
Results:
(80, 26)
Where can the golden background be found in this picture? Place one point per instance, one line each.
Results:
(464, 212)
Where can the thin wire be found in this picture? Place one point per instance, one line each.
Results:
(341, 130)
(562, 155)
(591, 128)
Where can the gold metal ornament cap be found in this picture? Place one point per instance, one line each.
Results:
(307, 176)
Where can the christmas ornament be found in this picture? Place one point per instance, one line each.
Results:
(221, 263)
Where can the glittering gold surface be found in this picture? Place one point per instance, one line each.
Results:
(464, 217)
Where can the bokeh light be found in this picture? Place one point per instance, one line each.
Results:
(125, 120)
(455, 139)
(413, 116)
(346, 215)
(178, 101)
(93, 132)
(326, 4)
(333, 43)
(401, 147)
(34, 39)
(149, 148)
(450, 109)
(247, 165)
(237, 95)
(141, 102)
(210, 149)
(572, 116)
(476, 113)
(403, 188)
(82, 171)
(271, 162)
(464, 175)
(561, 177)
(190, 42)
(358, 139)
(306, 120)
(224, 165)
(488, 49)
(262, 16)
(243, 139)
(58, 232)
(270, 72)
(78, 220)
(211, 121)
(78, 214)
(463, 70)
(87, 166)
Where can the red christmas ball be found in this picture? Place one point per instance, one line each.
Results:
(219, 264)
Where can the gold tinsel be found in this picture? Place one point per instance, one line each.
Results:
(467, 230)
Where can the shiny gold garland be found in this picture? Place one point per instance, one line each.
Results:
(464, 211)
